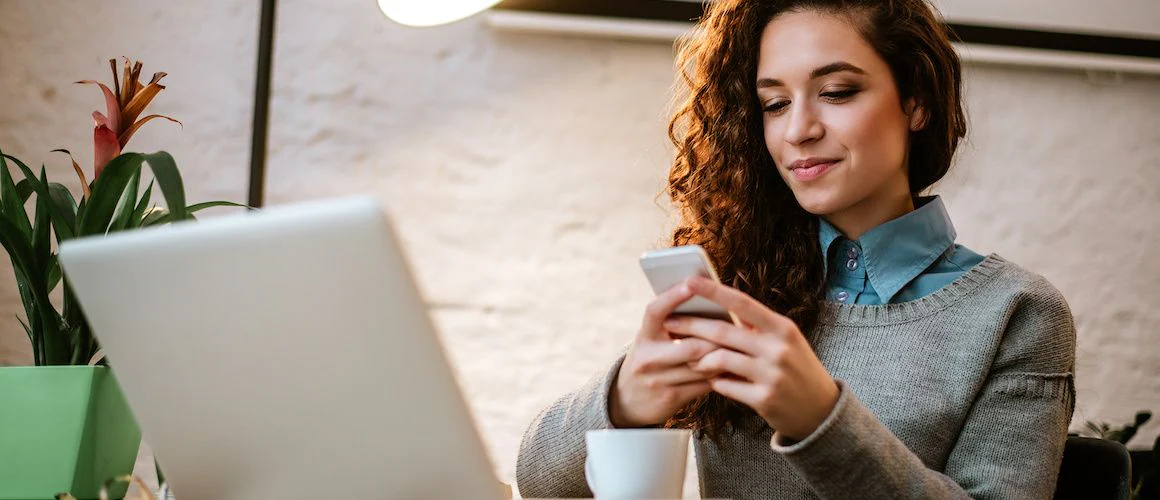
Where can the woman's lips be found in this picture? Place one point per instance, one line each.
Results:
(812, 172)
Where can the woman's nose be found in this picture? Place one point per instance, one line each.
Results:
(803, 126)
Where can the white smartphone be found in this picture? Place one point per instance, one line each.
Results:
(668, 267)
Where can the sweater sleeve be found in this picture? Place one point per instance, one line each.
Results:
(1010, 445)
(552, 453)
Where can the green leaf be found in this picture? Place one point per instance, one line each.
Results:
(64, 211)
(106, 193)
(53, 276)
(160, 474)
(75, 325)
(27, 329)
(23, 262)
(24, 188)
(169, 180)
(59, 220)
(208, 204)
(155, 216)
(31, 340)
(82, 346)
(90, 343)
(162, 217)
(167, 218)
(10, 203)
(128, 203)
(78, 353)
(42, 228)
(1142, 417)
(30, 311)
(28, 252)
(142, 206)
(97, 217)
(72, 317)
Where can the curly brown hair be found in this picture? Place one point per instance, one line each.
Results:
(723, 181)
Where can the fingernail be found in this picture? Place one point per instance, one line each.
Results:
(685, 288)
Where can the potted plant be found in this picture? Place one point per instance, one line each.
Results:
(1145, 467)
(67, 425)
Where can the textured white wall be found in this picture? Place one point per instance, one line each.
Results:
(522, 172)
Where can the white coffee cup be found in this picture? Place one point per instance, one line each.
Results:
(636, 463)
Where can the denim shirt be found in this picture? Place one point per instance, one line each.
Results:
(898, 261)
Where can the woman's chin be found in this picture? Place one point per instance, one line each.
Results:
(818, 203)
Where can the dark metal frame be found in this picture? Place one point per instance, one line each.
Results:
(258, 140)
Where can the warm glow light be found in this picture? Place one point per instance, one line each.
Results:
(431, 12)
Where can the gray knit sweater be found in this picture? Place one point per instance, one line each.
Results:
(964, 393)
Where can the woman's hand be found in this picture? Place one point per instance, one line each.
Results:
(656, 379)
(766, 363)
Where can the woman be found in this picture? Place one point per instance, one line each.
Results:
(876, 358)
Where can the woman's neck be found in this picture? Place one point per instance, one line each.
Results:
(869, 213)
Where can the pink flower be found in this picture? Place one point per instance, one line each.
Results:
(123, 104)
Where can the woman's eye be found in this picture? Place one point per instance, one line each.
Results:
(775, 106)
(839, 95)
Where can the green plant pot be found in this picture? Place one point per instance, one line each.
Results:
(63, 429)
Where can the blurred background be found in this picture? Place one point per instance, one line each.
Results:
(523, 171)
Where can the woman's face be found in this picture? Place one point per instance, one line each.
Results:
(834, 123)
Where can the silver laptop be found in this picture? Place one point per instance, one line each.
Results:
(283, 353)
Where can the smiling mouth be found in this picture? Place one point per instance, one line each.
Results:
(813, 171)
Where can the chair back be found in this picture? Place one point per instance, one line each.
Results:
(1094, 469)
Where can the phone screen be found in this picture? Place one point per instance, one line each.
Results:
(668, 267)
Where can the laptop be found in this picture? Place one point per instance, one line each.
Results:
(281, 353)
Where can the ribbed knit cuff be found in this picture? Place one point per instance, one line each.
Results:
(598, 417)
(784, 445)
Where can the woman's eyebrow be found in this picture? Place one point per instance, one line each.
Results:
(834, 67)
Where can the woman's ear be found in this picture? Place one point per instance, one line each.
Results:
(917, 114)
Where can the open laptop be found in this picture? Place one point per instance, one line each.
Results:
(282, 353)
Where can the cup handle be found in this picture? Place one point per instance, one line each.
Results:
(589, 477)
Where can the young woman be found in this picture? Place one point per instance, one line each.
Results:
(876, 358)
